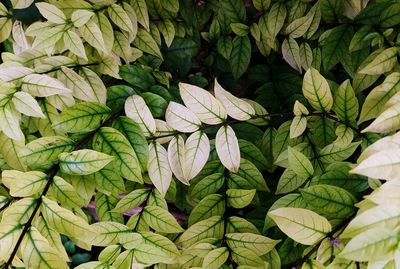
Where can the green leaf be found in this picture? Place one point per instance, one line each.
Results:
(225, 46)
(375, 102)
(346, 103)
(109, 141)
(240, 55)
(158, 167)
(372, 245)
(257, 243)
(291, 53)
(238, 198)
(66, 194)
(316, 90)
(329, 200)
(210, 228)
(109, 232)
(161, 220)
(132, 131)
(211, 205)
(82, 117)
(240, 29)
(132, 200)
(167, 29)
(251, 152)
(249, 172)
(142, 14)
(37, 253)
(83, 162)
(331, 9)
(289, 181)
(145, 42)
(335, 153)
(302, 225)
(9, 234)
(208, 185)
(335, 43)
(299, 163)
(22, 184)
(216, 258)
(155, 249)
(276, 19)
(118, 16)
(244, 256)
(383, 62)
(107, 181)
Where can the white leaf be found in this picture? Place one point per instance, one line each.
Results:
(197, 149)
(80, 88)
(158, 167)
(9, 124)
(13, 73)
(51, 12)
(136, 109)
(235, 107)
(26, 104)
(207, 108)
(181, 118)
(80, 17)
(42, 85)
(227, 146)
(176, 158)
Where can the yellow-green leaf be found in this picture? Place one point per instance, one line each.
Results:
(383, 62)
(316, 90)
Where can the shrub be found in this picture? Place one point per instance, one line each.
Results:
(199, 134)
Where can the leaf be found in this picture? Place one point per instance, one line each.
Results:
(246, 257)
(216, 258)
(42, 85)
(51, 13)
(176, 158)
(276, 19)
(66, 194)
(26, 104)
(11, 152)
(109, 232)
(161, 220)
(383, 216)
(224, 46)
(240, 29)
(346, 103)
(109, 141)
(145, 42)
(298, 126)
(238, 198)
(137, 110)
(95, 83)
(211, 205)
(227, 147)
(380, 165)
(24, 184)
(142, 14)
(82, 117)
(335, 43)
(44, 151)
(91, 32)
(155, 249)
(197, 151)
(302, 225)
(335, 153)
(382, 63)
(329, 200)
(253, 177)
(64, 221)
(375, 102)
(167, 29)
(299, 163)
(386, 122)
(74, 43)
(9, 235)
(181, 118)
(83, 162)
(132, 131)
(9, 124)
(299, 26)
(80, 17)
(316, 90)
(131, 201)
(158, 167)
(240, 55)
(374, 244)
(118, 16)
(257, 243)
(306, 56)
(291, 53)
(208, 185)
(289, 181)
(235, 107)
(206, 107)
(210, 228)
(37, 253)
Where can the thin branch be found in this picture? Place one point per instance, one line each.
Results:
(69, 66)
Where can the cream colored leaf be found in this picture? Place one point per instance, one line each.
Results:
(382, 63)
(227, 146)
(181, 118)
(137, 110)
(177, 157)
(387, 121)
(197, 148)
(80, 87)
(80, 17)
(207, 108)
(158, 167)
(51, 13)
(291, 53)
(118, 15)
(91, 32)
(43, 85)
(26, 104)
(9, 124)
(24, 184)
(298, 126)
(14, 73)
(235, 107)
(302, 225)
(74, 43)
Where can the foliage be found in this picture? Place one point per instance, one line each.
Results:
(199, 134)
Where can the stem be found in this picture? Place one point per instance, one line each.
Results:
(71, 66)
